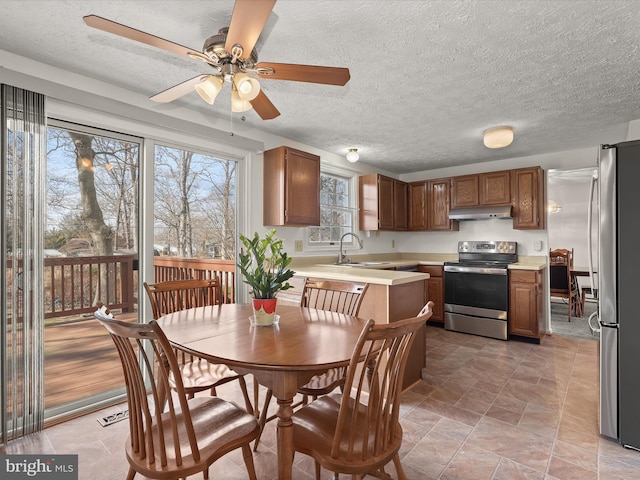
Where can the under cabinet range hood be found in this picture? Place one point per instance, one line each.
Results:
(481, 213)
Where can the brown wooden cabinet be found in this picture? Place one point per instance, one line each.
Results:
(525, 303)
(291, 192)
(495, 188)
(435, 290)
(492, 188)
(383, 203)
(417, 214)
(400, 201)
(438, 205)
(465, 191)
(527, 191)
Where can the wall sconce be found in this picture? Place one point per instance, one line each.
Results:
(353, 156)
(498, 137)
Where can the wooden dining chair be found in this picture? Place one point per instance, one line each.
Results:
(333, 296)
(197, 373)
(561, 285)
(358, 431)
(190, 433)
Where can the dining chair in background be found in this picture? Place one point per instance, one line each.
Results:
(197, 373)
(561, 285)
(329, 295)
(187, 435)
(358, 432)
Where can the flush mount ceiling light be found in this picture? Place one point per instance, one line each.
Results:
(353, 156)
(498, 137)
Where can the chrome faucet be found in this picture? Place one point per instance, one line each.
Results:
(341, 254)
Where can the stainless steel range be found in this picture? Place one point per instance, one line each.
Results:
(476, 292)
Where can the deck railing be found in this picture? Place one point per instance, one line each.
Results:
(73, 285)
(174, 268)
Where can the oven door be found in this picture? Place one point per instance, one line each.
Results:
(478, 288)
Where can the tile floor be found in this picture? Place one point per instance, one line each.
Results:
(487, 409)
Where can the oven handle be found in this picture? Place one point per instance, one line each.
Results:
(480, 270)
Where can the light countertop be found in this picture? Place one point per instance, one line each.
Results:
(363, 274)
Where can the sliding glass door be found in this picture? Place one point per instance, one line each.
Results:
(90, 256)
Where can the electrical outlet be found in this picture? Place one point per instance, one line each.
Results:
(298, 245)
(393, 244)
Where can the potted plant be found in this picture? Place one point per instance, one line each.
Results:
(264, 267)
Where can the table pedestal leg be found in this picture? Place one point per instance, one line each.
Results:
(285, 439)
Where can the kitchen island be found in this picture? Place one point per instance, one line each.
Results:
(392, 295)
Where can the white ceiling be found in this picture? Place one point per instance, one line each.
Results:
(427, 77)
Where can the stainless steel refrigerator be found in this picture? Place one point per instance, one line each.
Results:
(618, 292)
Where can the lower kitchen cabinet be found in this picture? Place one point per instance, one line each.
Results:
(435, 290)
(525, 303)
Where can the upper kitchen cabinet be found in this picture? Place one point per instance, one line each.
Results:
(400, 204)
(492, 188)
(495, 188)
(438, 205)
(464, 191)
(527, 191)
(383, 203)
(417, 214)
(291, 188)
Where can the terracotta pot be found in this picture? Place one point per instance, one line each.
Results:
(264, 311)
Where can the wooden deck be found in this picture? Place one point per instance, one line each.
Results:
(80, 361)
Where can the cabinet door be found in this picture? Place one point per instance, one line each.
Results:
(291, 187)
(435, 292)
(438, 206)
(418, 206)
(528, 198)
(495, 188)
(368, 201)
(523, 318)
(525, 303)
(385, 203)
(302, 188)
(400, 205)
(464, 191)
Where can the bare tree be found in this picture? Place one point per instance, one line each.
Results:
(101, 233)
(221, 206)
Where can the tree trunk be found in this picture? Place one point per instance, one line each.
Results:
(101, 233)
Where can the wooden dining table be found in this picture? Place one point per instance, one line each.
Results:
(282, 357)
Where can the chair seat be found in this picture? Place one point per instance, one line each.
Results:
(200, 374)
(219, 426)
(324, 383)
(315, 425)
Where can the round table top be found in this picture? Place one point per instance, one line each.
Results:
(304, 338)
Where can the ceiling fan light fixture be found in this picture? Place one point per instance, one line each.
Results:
(498, 137)
(209, 88)
(238, 104)
(248, 87)
(353, 155)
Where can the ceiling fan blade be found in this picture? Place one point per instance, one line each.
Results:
(137, 35)
(247, 21)
(263, 107)
(305, 73)
(177, 91)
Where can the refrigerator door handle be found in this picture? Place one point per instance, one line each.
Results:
(609, 324)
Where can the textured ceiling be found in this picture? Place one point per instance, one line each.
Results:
(427, 77)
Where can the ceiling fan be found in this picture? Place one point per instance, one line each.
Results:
(234, 59)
